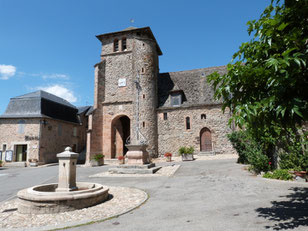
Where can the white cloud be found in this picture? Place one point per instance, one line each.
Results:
(55, 76)
(60, 91)
(7, 71)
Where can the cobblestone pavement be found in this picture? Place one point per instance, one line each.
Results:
(123, 200)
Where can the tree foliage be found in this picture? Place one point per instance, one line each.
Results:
(266, 84)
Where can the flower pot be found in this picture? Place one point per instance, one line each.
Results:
(95, 163)
(33, 164)
(168, 158)
(187, 157)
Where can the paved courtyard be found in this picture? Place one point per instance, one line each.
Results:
(201, 195)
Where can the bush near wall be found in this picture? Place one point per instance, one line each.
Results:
(293, 153)
(249, 151)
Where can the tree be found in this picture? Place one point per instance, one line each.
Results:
(266, 84)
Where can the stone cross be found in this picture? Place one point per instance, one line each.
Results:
(67, 170)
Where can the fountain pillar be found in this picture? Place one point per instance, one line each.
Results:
(67, 170)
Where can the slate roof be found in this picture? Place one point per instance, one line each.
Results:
(83, 109)
(40, 104)
(193, 84)
(146, 30)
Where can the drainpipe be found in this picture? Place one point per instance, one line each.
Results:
(39, 141)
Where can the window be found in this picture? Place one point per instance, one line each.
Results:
(187, 123)
(176, 99)
(59, 130)
(124, 47)
(203, 116)
(143, 96)
(75, 131)
(116, 45)
(4, 147)
(165, 116)
(21, 126)
(143, 124)
(142, 70)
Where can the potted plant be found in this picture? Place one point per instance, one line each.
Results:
(97, 160)
(121, 159)
(1, 163)
(168, 156)
(33, 162)
(187, 153)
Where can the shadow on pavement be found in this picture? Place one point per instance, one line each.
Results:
(290, 213)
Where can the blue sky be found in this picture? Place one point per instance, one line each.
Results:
(51, 44)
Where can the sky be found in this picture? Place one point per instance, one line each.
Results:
(51, 45)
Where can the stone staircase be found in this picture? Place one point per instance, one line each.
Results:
(212, 153)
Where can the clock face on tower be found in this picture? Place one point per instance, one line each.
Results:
(122, 82)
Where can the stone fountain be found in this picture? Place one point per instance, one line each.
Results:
(67, 195)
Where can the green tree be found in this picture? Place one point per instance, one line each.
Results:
(266, 84)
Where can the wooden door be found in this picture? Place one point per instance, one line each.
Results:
(205, 140)
(21, 153)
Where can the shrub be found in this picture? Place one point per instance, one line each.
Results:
(98, 157)
(295, 154)
(1, 162)
(186, 150)
(279, 174)
(249, 151)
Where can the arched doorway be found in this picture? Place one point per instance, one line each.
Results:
(206, 140)
(120, 131)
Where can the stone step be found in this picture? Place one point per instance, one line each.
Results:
(144, 166)
(212, 153)
(15, 164)
(133, 170)
(111, 161)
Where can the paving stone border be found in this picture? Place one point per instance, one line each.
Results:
(164, 171)
(123, 200)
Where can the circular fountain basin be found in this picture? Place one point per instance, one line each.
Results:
(43, 199)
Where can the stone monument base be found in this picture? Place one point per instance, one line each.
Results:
(135, 169)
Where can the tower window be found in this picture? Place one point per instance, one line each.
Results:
(165, 116)
(143, 96)
(116, 45)
(124, 47)
(203, 116)
(143, 124)
(142, 70)
(187, 123)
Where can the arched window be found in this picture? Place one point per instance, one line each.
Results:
(116, 45)
(187, 123)
(203, 116)
(21, 126)
(124, 46)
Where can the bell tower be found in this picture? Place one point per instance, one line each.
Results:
(126, 86)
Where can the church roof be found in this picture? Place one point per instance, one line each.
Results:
(193, 84)
(41, 104)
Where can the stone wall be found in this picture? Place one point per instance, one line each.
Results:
(56, 135)
(10, 136)
(145, 65)
(173, 133)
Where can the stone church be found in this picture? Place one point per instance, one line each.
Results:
(133, 101)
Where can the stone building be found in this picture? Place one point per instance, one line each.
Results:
(39, 125)
(170, 109)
